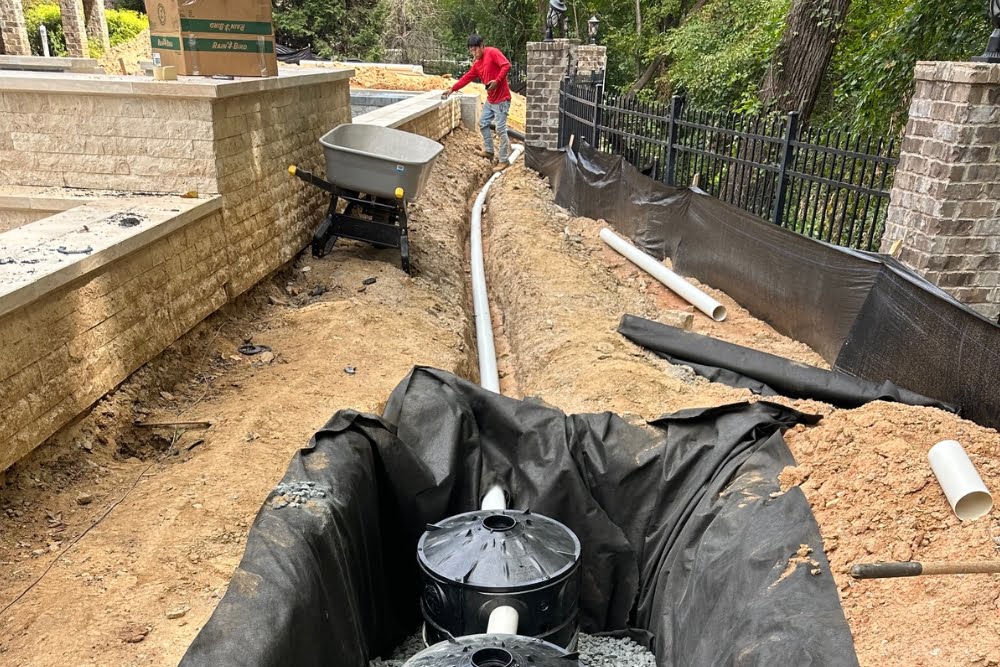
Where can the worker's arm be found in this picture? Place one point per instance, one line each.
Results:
(467, 77)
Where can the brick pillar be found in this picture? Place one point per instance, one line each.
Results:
(74, 24)
(591, 58)
(13, 34)
(548, 64)
(97, 23)
(943, 215)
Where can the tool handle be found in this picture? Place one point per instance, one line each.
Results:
(886, 570)
(914, 568)
(312, 179)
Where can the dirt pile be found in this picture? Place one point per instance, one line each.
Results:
(866, 475)
(561, 293)
(149, 569)
(131, 53)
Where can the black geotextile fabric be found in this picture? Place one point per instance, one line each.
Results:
(681, 538)
(865, 313)
(760, 372)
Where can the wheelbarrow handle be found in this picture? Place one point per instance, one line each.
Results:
(312, 179)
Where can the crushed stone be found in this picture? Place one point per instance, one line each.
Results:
(594, 652)
(296, 494)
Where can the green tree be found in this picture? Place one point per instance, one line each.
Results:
(332, 28)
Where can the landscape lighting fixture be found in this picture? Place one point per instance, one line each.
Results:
(992, 53)
(593, 23)
(554, 19)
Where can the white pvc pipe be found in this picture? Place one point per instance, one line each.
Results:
(681, 287)
(495, 500)
(489, 378)
(503, 621)
(43, 32)
(962, 485)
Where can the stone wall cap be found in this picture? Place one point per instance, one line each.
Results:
(957, 72)
(401, 113)
(93, 225)
(185, 86)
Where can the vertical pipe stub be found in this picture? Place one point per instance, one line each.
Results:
(961, 483)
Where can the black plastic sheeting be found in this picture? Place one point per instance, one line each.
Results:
(761, 372)
(865, 313)
(681, 538)
(288, 54)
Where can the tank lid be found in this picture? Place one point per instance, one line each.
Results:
(493, 651)
(498, 550)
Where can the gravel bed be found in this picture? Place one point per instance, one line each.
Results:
(594, 652)
(296, 494)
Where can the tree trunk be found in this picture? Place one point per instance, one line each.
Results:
(796, 71)
(650, 72)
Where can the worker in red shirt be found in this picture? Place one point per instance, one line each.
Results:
(490, 66)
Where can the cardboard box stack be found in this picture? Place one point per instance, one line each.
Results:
(209, 37)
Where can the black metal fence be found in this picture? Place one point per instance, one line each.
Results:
(829, 184)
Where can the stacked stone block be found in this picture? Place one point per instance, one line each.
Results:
(548, 64)
(591, 58)
(74, 24)
(96, 22)
(13, 32)
(269, 216)
(437, 123)
(944, 213)
(61, 354)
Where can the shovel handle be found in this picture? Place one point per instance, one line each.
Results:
(915, 568)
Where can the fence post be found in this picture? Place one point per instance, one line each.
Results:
(598, 99)
(562, 114)
(676, 104)
(788, 151)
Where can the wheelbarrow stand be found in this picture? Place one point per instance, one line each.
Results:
(379, 221)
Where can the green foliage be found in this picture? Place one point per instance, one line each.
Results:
(137, 6)
(506, 24)
(870, 80)
(718, 57)
(125, 24)
(49, 16)
(332, 28)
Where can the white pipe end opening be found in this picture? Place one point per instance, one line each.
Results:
(503, 621)
(495, 499)
(963, 487)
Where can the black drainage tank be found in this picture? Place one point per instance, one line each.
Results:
(493, 651)
(472, 563)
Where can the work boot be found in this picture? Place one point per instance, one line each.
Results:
(500, 167)
(486, 154)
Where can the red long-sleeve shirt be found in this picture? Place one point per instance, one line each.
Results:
(493, 66)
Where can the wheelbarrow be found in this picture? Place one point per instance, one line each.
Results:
(375, 171)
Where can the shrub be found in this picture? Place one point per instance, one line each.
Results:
(49, 16)
(125, 24)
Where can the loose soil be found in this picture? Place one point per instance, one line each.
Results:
(139, 585)
(131, 53)
(170, 547)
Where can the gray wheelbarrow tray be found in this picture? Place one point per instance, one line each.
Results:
(377, 160)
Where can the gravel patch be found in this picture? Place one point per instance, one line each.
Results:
(594, 652)
(296, 494)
